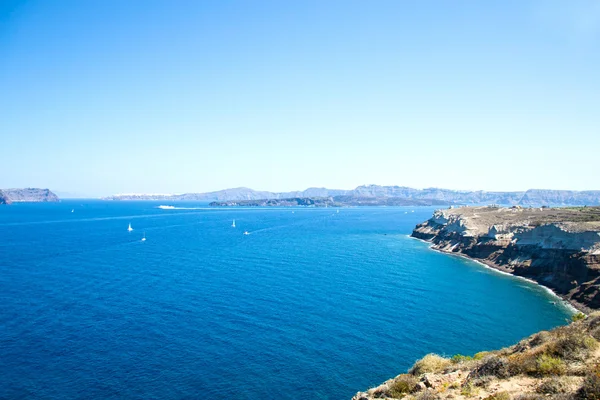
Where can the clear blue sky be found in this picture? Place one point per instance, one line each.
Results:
(111, 96)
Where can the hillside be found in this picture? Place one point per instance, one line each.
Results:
(562, 364)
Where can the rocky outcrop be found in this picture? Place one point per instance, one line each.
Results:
(29, 195)
(556, 247)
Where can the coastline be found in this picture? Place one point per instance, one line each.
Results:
(573, 305)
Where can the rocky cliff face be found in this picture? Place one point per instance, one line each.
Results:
(557, 247)
(29, 195)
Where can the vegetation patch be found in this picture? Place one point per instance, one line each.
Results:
(430, 363)
(499, 396)
(555, 385)
(402, 385)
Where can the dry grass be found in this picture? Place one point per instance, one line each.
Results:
(402, 385)
(430, 363)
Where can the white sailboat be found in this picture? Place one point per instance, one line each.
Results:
(233, 224)
(73, 210)
(144, 238)
(246, 233)
(129, 228)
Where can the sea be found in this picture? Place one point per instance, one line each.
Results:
(314, 303)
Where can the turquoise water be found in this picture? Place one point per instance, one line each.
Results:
(312, 303)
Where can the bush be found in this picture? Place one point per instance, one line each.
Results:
(577, 317)
(458, 358)
(554, 385)
(576, 346)
(595, 332)
(430, 363)
(403, 384)
(590, 390)
(468, 390)
(427, 395)
(525, 363)
(541, 338)
(493, 366)
(548, 365)
(480, 355)
(499, 396)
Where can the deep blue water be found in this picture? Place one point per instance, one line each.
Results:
(312, 304)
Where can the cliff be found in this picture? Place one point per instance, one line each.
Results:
(29, 195)
(556, 247)
(562, 364)
(430, 195)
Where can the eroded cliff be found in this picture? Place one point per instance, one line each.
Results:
(557, 247)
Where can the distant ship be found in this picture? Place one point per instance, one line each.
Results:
(246, 233)
(130, 228)
(73, 210)
(144, 238)
(233, 224)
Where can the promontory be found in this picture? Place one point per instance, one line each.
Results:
(27, 195)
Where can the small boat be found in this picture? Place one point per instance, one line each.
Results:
(246, 233)
(233, 224)
(129, 228)
(73, 210)
(144, 238)
(337, 211)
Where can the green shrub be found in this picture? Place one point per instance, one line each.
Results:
(499, 396)
(554, 385)
(575, 346)
(430, 363)
(577, 317)
(548, 365)
(524, 363)
(458, 358)
(403, 384)
(480, 355)
(468, 390)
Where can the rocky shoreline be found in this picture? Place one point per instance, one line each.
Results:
(558, 248)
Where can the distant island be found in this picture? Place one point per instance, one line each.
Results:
(430, 196)
(336, 201)
(27, 195)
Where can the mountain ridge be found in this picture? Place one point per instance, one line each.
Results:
(530, 197)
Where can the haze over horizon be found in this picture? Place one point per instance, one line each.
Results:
(105, 97)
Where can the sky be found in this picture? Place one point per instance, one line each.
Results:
(106, 96)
